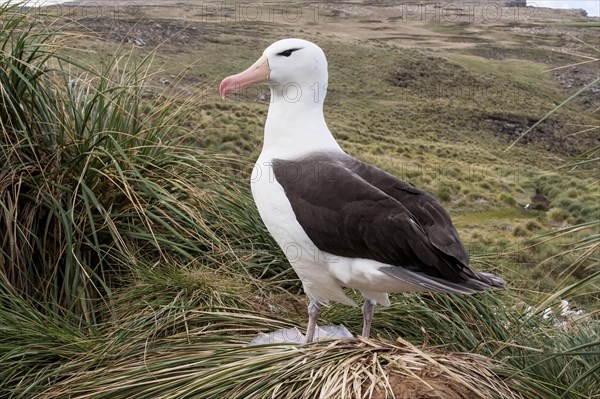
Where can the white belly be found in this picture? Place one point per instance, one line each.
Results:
(311, 265)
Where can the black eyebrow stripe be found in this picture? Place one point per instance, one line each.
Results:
(290, 51)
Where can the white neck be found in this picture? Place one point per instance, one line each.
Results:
(295, 124)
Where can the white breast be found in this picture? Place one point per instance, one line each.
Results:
(312, 266)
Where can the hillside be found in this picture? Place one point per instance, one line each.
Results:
(434, 95)
(134, 263)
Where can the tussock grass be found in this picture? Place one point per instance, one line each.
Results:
(95, 178)
(134, 265)
(187, 343)
(339, 369)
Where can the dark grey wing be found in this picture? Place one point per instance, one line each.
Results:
(345, 214)
(429, 213)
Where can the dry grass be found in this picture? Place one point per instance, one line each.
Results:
(339, 369)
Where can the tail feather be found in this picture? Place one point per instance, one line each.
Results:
(479, 281)
(492, 280)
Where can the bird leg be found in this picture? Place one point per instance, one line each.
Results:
(314, 310)
(368, 311)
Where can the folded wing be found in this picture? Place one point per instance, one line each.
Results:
(353, 209)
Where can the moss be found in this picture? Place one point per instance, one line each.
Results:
(533, 225)
(557, 215)
(444, 193)
(508, 199)
(572, 193)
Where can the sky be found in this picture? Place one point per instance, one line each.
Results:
(591, 6)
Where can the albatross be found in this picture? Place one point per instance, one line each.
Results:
(342, 222)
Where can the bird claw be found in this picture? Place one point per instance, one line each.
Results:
(294, 336)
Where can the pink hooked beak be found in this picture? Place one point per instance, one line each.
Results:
(257, 73)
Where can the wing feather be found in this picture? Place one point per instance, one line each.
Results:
(349, 208)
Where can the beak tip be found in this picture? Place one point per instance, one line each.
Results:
(257, 73)
(223, 88)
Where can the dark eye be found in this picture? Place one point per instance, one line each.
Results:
(287, 53)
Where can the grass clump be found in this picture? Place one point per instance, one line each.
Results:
(574, 205)
(533, 225)
(94, 176)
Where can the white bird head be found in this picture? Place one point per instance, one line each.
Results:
(295, 70)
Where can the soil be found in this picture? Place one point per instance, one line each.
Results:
(146, 32)
(432, 387)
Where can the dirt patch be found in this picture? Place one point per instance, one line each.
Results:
(512, 126)
(146, 32)
(425, 387)
(429, 73)
(409, 372)
(574, 78)
(539, 201)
